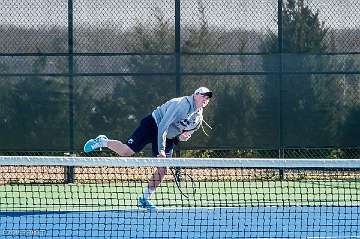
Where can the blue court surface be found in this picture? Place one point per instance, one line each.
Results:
(250, 222)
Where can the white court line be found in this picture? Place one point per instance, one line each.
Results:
(344, 237)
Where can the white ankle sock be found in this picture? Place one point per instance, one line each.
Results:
(147, 193)
(104, 142)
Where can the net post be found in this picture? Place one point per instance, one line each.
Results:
(281, 170)
(69, 174)
(69, 171)
(177, 151)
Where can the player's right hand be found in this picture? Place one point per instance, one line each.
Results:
(185, 136)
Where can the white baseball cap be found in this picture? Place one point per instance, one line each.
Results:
(204, 91)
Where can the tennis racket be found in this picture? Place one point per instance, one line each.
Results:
(184, 182)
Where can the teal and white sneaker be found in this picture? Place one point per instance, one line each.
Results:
(93, 144)
(146, 203)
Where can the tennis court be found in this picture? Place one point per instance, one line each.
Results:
(271, 87)
(223, 198)
(239, 222)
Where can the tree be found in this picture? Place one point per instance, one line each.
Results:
(231, 112)
(35, 116)
(310, 103)
(126, 100)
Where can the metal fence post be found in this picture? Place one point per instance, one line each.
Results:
(280, 49)
(177, 57)
(69, 170)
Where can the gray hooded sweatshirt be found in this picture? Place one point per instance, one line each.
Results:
(176, 116)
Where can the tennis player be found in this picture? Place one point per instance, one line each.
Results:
(174, 121)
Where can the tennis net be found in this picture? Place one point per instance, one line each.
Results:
(198, 198)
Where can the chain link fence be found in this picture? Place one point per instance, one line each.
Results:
(285, 74)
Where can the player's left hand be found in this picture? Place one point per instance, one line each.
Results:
(162, 154)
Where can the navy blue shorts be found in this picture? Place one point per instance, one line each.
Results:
(147, 132)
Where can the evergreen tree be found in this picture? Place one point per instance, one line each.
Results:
(231, 112)
(310, 103)
(35, 116)
(128, 99)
